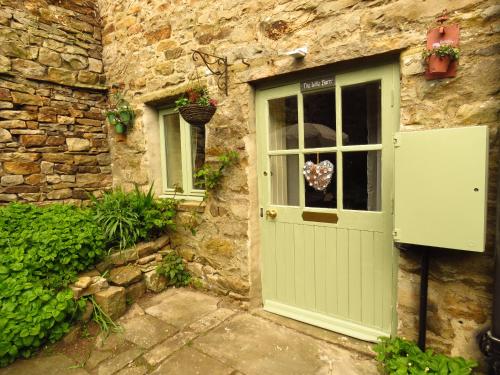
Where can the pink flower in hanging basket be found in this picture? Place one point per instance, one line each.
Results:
(213, 102)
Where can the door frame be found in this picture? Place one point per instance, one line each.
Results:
(393, 119)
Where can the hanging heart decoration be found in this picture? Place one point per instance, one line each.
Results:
(319, 175)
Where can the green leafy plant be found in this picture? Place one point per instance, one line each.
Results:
(129, 217)
(209, 177)
(41, 250)
(442, 50)
(401, 357)
(122, 115)
(172, 267)
(196, 95)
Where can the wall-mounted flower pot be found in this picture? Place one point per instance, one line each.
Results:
(196, 114)
(439, 64)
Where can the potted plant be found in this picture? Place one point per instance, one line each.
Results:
(440, 56)
(121, 116)
(196, 106)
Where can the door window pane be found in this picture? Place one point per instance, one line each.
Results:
(283, 124)
(284, 175)
(173, 150)
(197, 151)
(362, 180)
(328, 197)
(361, 118)
(319, 120)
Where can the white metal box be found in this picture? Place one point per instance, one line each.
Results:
(441, 187)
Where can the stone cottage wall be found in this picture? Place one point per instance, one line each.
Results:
(147, 51)
(53, 140)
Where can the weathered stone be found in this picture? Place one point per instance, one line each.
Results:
(23, 98)
(6, 105)
(8, 197)
(155, 282)
(117, 362)
(5, 64)
(77, 292)
(66, 120)
(135, 291)
(53, 179)
(95, 65)
(60, 194)
(18, 167)
(12, 124)
(146, 331)
(112, 301)
(47, 167)
(87, 313)
(5, 94)
(187, 253)
(28, 68)
(145, 248)
(158, 34)
(18, 115)
(34, 179)
(5, 135)
(98, 283)
(125, 275)
(77, 144)
(32, 140)
(55, 140)
(83, 282)
(87, 77)
(11, 180)
(64, 76)
(76, 62)
(49, 58)
(146, 259)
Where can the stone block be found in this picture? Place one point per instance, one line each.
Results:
(34, 179)
(124, 256)
(18, 115)
(98, 283)
(87, 77)
(11, 180)
(63, 76)
(104, 159)
(135, 291)
(187, 253)
(112, 301)
(155, 282)
(8, 197)
(125, 275)
(5, 135)
(162, 241)
(12, 124)
(47, 167)
(6, 105)
(19, 167)
(76, 62)
(55, 140)
(5, 94)
(5, 64)
(21, 189)
(95, 65)
(145, 248)
(83, 282)
(24, 98)
(32, 140)
(60, 194)
(49, 57)
(77, 144)
(87, 313)
(77, 292)
(28, 68)
(146, 259)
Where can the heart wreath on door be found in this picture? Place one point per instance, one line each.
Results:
(318, 175)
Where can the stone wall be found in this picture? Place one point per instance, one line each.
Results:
(147, 50)
(53, 140)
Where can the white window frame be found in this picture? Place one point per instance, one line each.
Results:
(189, 191)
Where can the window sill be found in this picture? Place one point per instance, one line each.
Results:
(190, 206)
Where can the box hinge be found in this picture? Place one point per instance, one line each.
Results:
(395, 234)
(397, 140)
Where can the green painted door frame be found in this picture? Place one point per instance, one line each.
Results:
(340, 276)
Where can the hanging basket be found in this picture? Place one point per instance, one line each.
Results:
(196, 114)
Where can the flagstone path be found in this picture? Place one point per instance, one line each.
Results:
(183, 331)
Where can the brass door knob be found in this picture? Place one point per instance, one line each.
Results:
(271, 214)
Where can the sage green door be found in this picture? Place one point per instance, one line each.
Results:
(327, 255)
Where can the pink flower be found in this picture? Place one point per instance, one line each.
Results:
(213, 102)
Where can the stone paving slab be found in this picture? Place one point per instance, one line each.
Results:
(146, 331)
(191, 362)
(183, 308)
(256, 346)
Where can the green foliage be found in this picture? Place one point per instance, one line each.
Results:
(172, 267)
(442, 50)
(208, 177)
(402, 357)
(129, 217)
(41, 250)
(121, 114)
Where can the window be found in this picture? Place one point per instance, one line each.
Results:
(182, 154)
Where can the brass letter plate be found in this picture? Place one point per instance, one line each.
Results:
(321, 217)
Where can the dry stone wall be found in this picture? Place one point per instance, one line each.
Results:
(53, 139)
(147, 50)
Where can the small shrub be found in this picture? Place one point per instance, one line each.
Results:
(172, 267)
(208, 177)
(41, 250)
(129, 217)
(402, 357)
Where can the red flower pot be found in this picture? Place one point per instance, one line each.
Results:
(439, 64)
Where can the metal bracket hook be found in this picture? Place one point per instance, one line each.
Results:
(216, 65)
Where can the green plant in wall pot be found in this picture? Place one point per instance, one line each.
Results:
(398, 356)
(121, 116)
(440, 56)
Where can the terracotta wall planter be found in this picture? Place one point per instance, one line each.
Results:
(438, 64)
